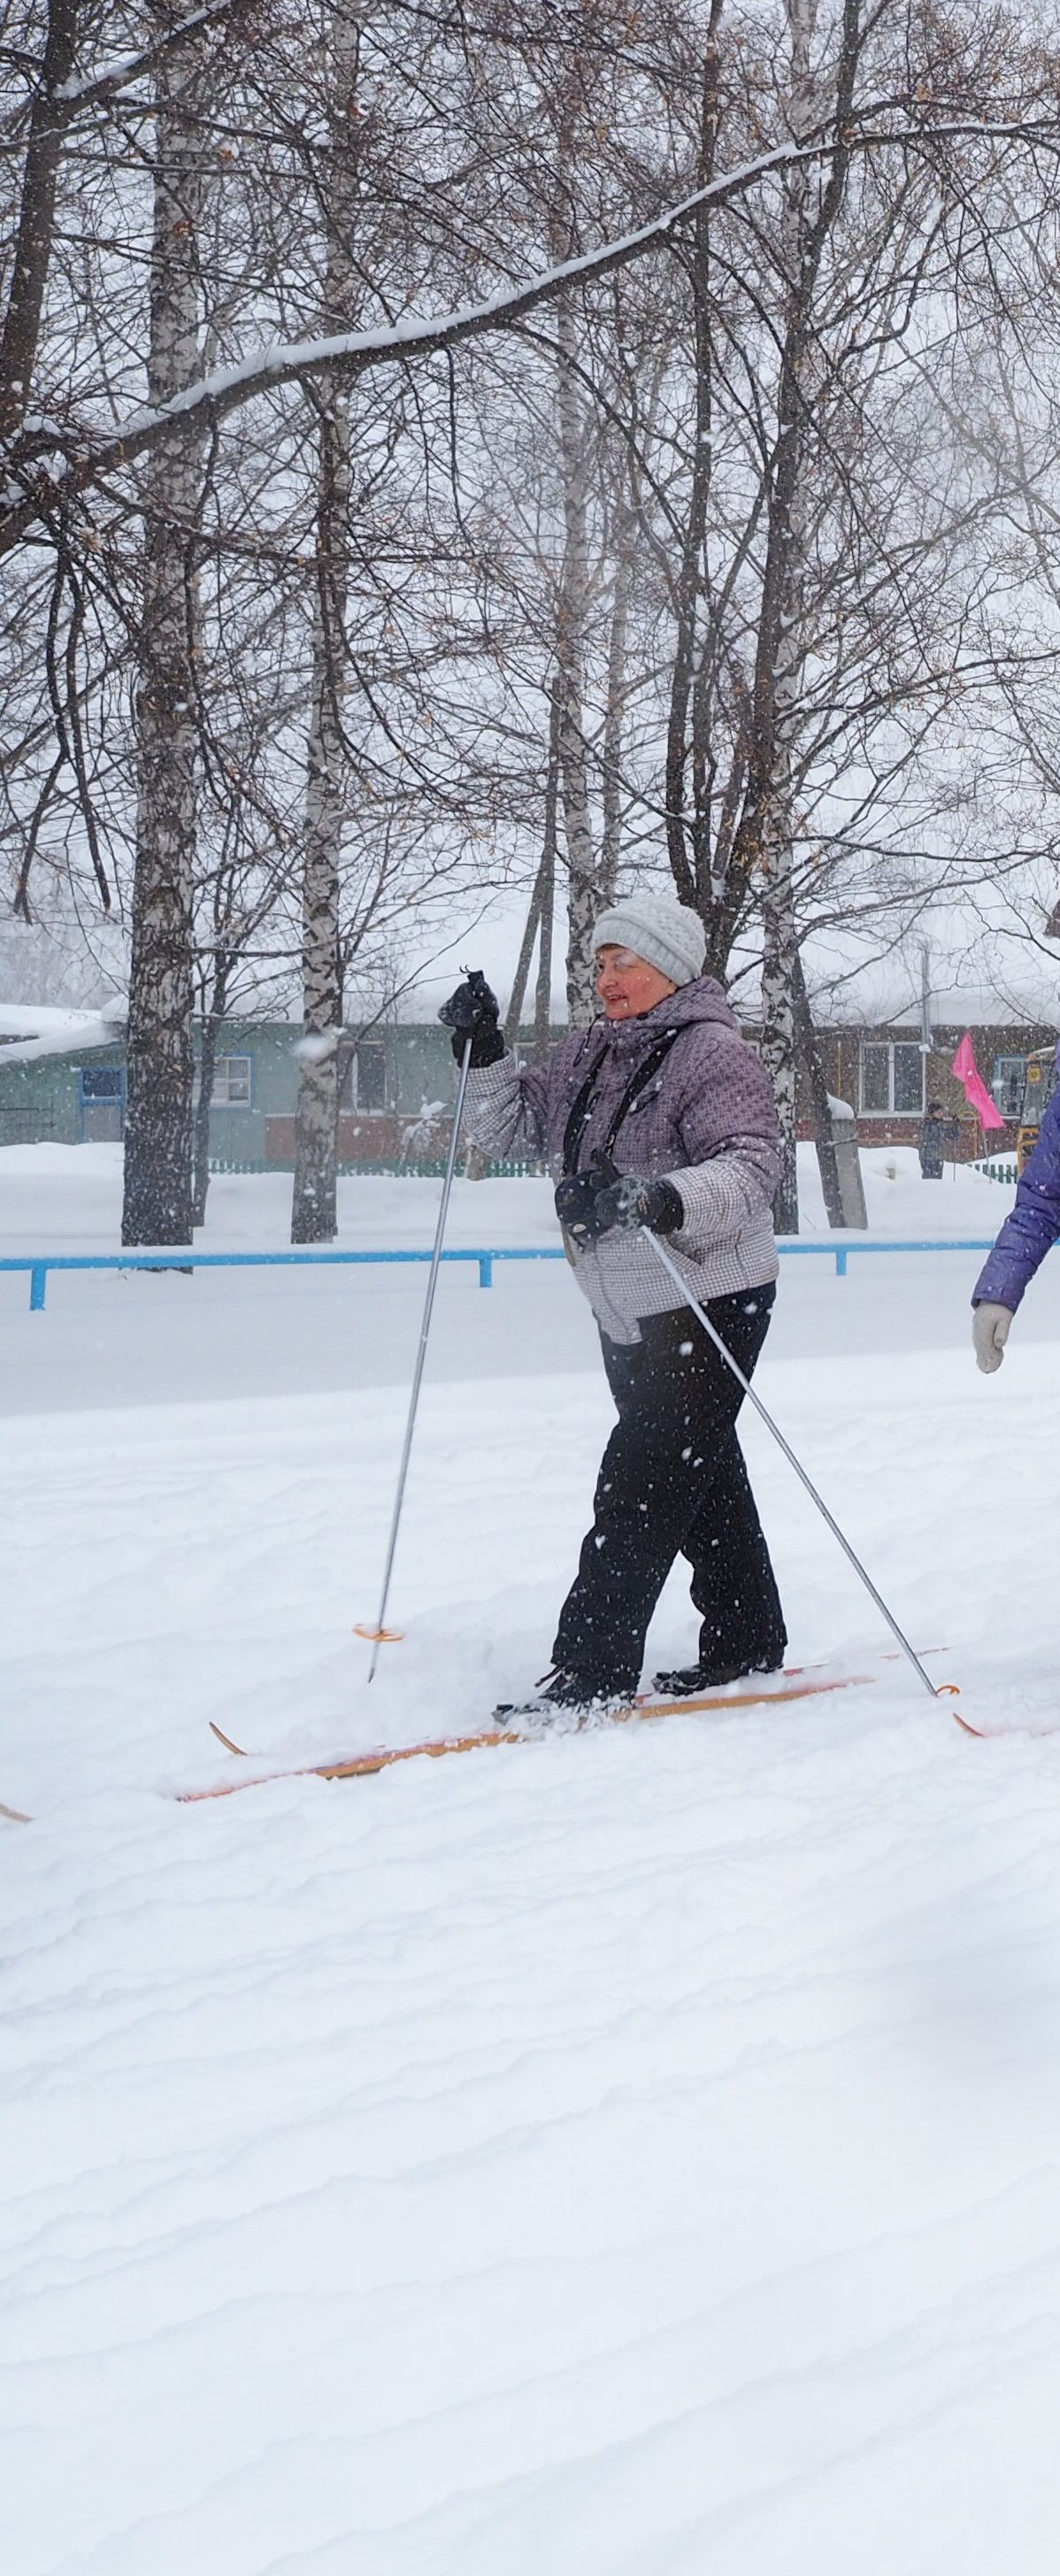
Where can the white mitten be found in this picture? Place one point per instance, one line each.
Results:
(990, 1332)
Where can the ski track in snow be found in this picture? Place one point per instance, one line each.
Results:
(630, 2156)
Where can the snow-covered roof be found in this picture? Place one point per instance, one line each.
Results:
(29, 1030)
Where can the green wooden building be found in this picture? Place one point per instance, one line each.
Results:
(393, 1080)
(400, 1072)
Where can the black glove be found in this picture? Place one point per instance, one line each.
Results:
(629, 1202)
(472, 1011)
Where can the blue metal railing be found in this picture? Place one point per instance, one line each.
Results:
(930, 1243)
(38, 1264)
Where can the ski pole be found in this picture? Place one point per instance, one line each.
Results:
(946, 1688)
(377, 1634)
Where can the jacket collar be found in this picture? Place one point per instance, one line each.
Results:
(627, 1040)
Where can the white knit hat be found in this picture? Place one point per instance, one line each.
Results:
(655, 926)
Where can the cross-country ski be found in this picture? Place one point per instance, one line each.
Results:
(791, 1684)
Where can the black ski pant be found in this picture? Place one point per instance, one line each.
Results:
(673, 1482)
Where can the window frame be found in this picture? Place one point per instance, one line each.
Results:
(998, 1089)
(890, 1047)
(226, 1103)
(364, 1108)
(94, 1105)
(113, 1078)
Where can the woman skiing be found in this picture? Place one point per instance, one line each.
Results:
(659, 1115)
(1022, 1244)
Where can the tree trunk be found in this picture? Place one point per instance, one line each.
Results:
(780, 950)
(688, 835)
(35, 229)
(583, 900)
(543, 995)
(158, 1197)
(810, 1057)
(314, 1216)
(781, 653)
(778, 1037)
(767, 825)
(313, 1205)
(514, 1012)
(211, 1029)
(544, 883)
(611, 834)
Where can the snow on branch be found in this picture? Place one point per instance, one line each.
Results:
(85, 89)
(39, 488)
(34, 489)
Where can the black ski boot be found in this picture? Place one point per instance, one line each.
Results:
(577, 1697)
(696, 1681)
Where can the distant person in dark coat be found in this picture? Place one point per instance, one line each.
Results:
(936, 1132)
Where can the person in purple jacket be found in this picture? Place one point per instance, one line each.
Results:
(1025, 1238)
(659, 1115)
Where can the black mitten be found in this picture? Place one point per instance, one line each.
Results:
(472, 1011)
(628, 1203)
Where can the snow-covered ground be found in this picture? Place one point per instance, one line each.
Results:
(68, 1198)
(628, 2155)
(136, 1339)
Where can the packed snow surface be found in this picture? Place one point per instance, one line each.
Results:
(135, 1338)
(630, 2154)
(84, 1211)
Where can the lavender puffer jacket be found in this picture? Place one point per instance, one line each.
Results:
(705, 1121)
(1034, 1224)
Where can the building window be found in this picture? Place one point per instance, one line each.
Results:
(231, 1082)
(102, 1089)
(891, 1079)
(370, 1075)
(1008, 1084)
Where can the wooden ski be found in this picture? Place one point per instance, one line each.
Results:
(796, 1683)
(1027, 1727)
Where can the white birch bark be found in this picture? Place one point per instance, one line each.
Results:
(611, 799)
(547, 881)
(583, 897)
(313, 1203)
(779, 933)
(688, 815)
(779, 938)
(158, 1137)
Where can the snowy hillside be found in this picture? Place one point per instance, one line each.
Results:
(627, 2155)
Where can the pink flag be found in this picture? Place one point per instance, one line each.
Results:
(975, 1090)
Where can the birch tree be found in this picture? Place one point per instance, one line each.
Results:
(571, 622)
(764, 837)
(313, 1210)
(158, 1200)
(689, 770)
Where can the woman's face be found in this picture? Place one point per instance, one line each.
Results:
(627, 985)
